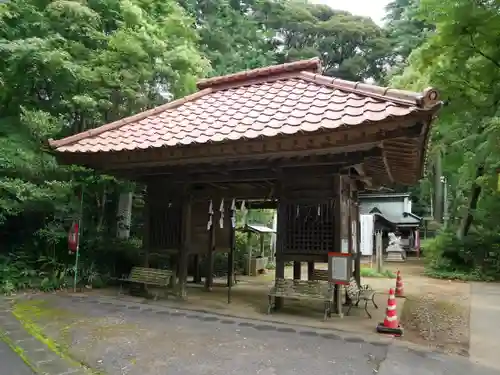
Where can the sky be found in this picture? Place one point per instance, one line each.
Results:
(367, 8)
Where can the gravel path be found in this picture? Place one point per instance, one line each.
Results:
(121, 338)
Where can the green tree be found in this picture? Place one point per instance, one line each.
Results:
(462, 59)
(230, 37)
(407, 29)
(67, 66)
(349, 46)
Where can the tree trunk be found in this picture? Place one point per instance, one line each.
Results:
(124, 215)
(438, 188)
(468, 218)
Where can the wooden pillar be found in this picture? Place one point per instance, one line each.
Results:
(280, 232)
(185, 245)
(249, 251)
(310, 270)
(230, 258)
(357, 267)
(337, 240)
(297, 268)
(379, 252)
(280, 274)
(174, 266)
(146, 231)
(196, 265)
(261, 239)
(209, 271)
(232, 245)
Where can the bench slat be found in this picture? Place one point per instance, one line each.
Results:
(301, 289)
(321, 275)
(150, 276)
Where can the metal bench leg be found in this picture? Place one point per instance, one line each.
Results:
(349, 309)
(366, 309)
(373, 301)
(326, 312)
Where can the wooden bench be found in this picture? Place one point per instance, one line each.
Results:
(357, 293)
(302, 290)
(149, 277)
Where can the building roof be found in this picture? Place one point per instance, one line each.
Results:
(383, 195)
(282, 99)
(403, 219)
(258, 228)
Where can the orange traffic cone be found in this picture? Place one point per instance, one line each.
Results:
(400, 290)
(391, 324)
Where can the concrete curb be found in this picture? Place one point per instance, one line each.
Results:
(33, 352)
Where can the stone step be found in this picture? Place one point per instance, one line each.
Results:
(394, 257)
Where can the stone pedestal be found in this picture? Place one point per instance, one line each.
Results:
(395, 252)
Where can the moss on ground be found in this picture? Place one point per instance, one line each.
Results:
(31, 312)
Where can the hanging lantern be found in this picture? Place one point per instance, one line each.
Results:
(73, 238)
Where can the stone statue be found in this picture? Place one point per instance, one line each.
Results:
(394, 250)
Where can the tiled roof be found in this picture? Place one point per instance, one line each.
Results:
(282, 99)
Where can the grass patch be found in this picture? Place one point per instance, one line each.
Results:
(456, 275)
(370, 272)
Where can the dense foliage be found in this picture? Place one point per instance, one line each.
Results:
(68, 66)
(462, 58)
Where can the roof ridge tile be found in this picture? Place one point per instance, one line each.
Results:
(242, 77)
(426, 99)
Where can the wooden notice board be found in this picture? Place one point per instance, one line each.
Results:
(339, 268)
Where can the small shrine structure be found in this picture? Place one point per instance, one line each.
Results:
(390, 213)
(285, 136)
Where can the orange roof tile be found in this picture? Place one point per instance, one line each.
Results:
(282, 99)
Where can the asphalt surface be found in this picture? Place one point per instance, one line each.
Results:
(121, 338)
(11, 363)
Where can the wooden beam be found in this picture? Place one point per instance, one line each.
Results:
(387, 165)
(362, 175)
(264, 174)
(224, 170)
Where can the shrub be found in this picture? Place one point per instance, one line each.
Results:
(476, 257)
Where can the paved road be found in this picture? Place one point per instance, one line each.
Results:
(10, 363)
(485, 323)
(121, 338)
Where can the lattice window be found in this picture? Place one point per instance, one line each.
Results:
(165, 227)
(306, 229)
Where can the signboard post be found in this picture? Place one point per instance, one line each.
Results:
(339, 273)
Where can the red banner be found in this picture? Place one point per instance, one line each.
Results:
(73, 238)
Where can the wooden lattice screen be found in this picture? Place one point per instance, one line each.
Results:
(165, 226)
(306, 229)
